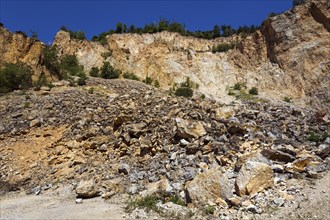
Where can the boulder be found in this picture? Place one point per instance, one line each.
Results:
(207, 187)
(189, 129)
(87, 189)
(253, 177)
(277, 155)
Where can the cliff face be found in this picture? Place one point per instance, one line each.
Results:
(289, 57)
(19, 48)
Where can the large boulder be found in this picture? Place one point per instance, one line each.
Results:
(208, 187)
(87, 189)
(253, 177)
(188, 129)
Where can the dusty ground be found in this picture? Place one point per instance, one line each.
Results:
(60, 204)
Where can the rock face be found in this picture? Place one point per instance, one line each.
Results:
(288, 57)
(253, 177)
(20, 48)
(87, 189)
(207, 187)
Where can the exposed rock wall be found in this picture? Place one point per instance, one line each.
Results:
(19, 48)
(289, 57)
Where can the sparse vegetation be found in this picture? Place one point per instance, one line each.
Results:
(132, 76)
(287, 99)
(79, 35)
(49, 59)
(108, 72)
(239, 86)
(166, 25)
(317, 137)
(94, 72)
(156, 83)
(148, 80)
(71, 67)
(148, 203)
(184, 91)
(209, 210)
(107, 54)
(91, 90)
(253, 91)
(41, 81)
(14, 77)
(223, 47)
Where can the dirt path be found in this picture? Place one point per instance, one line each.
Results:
(50, 206)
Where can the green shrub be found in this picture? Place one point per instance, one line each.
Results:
(253, 91)
(223, 47)
(239, 86)
(149, 203)
(314, 137)
(108, 72)
(15, 76)
(50, 61)
(107, 54)
(91, 90)
(81, 81)
(71, 67)
(41, 81)
(209, 210)
(203, 96)
(79, 35)
(184, 91)
(156, 83)
(94, 72)
(132, 76)
(287, 99)
(148, 80)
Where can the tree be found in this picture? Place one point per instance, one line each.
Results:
(216, 31)
(119, 28)
(132, 29)
(94, 72)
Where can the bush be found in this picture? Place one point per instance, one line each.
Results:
(239, 86)
(156, 84)
(81, 81)
(15, 76)
(148, 80)
(132, 76)
(287, 99)
(253, 91)
(79, 35)
(50, 61)
(42, 81)
(184, 91)
(223, 47)
(108, 72)
(94, 72)
(107, 54)
(71, 67)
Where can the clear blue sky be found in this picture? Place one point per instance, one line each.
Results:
(93, 17)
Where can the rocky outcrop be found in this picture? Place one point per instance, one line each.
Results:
(20, 48)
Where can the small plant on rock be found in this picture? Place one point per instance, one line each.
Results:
(253, 91)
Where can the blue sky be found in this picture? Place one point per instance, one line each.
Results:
(93, 17)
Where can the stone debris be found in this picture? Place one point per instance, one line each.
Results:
(143, 142)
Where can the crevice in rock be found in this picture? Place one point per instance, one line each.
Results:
(320, 17)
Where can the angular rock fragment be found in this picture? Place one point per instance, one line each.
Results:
(253, 177)
(208, 186)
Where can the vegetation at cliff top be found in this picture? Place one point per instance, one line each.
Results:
(165, 25)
